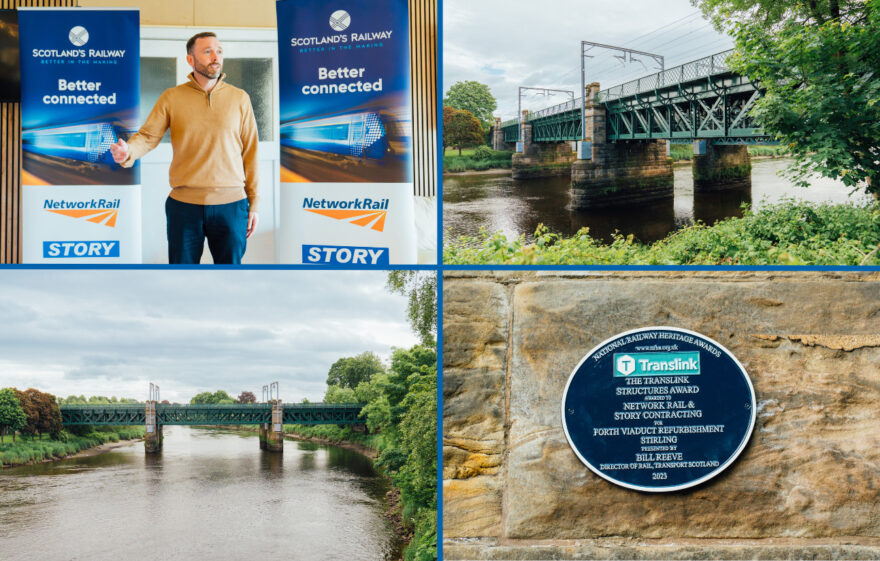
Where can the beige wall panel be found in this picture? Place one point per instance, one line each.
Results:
(234, 13)
(153, 12)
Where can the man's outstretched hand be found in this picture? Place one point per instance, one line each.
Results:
(119, 151)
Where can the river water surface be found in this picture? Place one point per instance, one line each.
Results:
(210, 494)
(498, 202)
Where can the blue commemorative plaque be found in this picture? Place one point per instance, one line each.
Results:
(658, 409)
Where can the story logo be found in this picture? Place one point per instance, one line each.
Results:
(60, 249)
(345, 255)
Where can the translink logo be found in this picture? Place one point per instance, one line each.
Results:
(652, 364)
(367, 213)
(99, 211)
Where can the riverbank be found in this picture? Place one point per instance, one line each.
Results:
(787, 233)
(25, 452)
(500, 161)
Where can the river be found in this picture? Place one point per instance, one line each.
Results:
(210, 494)
(497, 202)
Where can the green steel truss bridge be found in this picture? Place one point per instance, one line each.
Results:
(232, 414)
(702, 99)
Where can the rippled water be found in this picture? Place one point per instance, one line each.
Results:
(497, 202)
(210, 494)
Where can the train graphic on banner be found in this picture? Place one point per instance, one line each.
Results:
(359, 135)
(88, 142)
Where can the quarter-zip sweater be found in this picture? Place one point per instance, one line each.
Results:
(213, 140)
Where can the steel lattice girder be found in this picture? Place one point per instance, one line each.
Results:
(713, 107)
(341, 414)
(232, 414)
(511, 133)
(103, 415)
(557, 127)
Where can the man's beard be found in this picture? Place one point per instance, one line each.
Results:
(206, 71)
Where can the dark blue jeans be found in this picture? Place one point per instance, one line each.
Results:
(225, 226)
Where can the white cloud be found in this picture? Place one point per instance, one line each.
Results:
(105, 332)
(510, 43)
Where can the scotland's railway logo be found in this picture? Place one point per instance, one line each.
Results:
(79, 36)
(340, 20)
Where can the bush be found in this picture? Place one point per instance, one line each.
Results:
(482, 152)
(787, 233)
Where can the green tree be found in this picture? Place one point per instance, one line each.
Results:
(348, 372)
(420, 287)
(12, 416)
(208, 398)
(460, 129)
(819, 64)
(474, 97)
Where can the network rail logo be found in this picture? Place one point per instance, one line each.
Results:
(367, 213)
(654, 364)
(99, 211)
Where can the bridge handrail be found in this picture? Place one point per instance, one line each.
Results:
(686, 72)
(693, 70)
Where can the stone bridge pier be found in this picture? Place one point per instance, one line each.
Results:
(719, 166)
(274, 435)
(498, 137)
(547, 159)
(618, 173)
(153, 434)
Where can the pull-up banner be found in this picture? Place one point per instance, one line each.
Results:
(346, 133)
(80, 90)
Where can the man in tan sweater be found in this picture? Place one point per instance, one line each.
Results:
(213, 172)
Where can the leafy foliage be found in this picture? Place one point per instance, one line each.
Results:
(208, 398)
(247, 397)
(96, 400)
(788, 233)
(401, 414)
(819, 63)
(471, 96)
(42, 411)
(420, 287)
(460, 129)
(350, 371)
(12, 416)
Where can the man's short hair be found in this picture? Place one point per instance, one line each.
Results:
(192, 40)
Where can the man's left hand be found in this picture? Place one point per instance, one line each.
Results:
(253, 219)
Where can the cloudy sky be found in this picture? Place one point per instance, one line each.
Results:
(511, 43)
(104, 332)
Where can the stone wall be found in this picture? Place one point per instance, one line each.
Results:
(622, 173)
(722, 167)
(806, 486)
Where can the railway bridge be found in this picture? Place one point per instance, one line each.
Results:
(270, 416)
(615, 142)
